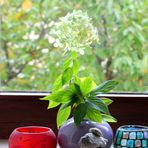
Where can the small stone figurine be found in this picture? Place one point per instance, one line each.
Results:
(93, 139)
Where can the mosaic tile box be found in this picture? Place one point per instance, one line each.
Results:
(131, 136)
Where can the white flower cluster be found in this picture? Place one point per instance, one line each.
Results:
(74, 32)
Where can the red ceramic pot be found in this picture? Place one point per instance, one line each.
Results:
(32, 137)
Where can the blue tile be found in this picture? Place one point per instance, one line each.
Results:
(132, 135)
(123, 142)
(130, 143)
(146, 135)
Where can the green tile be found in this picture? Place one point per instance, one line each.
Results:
(118, 140)
(144, 143)
(118, 137)
(139, 135)
(120, 134)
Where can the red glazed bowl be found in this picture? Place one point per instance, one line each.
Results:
(32, 137)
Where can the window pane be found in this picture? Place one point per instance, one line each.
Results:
(30, 61)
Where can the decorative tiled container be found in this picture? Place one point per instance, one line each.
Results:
(131, 136)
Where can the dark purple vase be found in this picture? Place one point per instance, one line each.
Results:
(69, 135)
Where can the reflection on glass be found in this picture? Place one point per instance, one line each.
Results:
(28, 55)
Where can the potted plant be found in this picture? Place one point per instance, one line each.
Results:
(77, 96)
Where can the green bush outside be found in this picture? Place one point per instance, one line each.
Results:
(30, 61)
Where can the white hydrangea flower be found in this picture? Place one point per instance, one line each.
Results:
(74, 32)
(45, 50)
(33, 36)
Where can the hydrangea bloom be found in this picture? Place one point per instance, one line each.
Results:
(74, 32)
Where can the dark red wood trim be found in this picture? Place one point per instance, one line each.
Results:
(25, 108)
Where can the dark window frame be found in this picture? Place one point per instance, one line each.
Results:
(18, 108)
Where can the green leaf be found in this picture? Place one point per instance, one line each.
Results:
(52, 104)
(46, 98)
(87, 85)
(63, 115)
(67, 75)
(105, 87)
(70, 103)
(77, 80)
(79, 113)
(61, 96)
(107, 101)
(98, 105)
(94, 115)
(108, 118)
(75, 67)
(74, 54)
(78, 90)
(57, 84)
(67, 63)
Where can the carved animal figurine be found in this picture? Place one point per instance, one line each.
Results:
(93, 139)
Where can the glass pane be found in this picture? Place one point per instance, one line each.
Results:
(29, 60)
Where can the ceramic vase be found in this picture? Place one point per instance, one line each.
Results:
(69, 135)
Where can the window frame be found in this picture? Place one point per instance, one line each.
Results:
(22, 108)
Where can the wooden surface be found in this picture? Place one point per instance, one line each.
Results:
(4, 144)
(17, 109)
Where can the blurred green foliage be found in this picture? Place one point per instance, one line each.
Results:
(28, 60)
